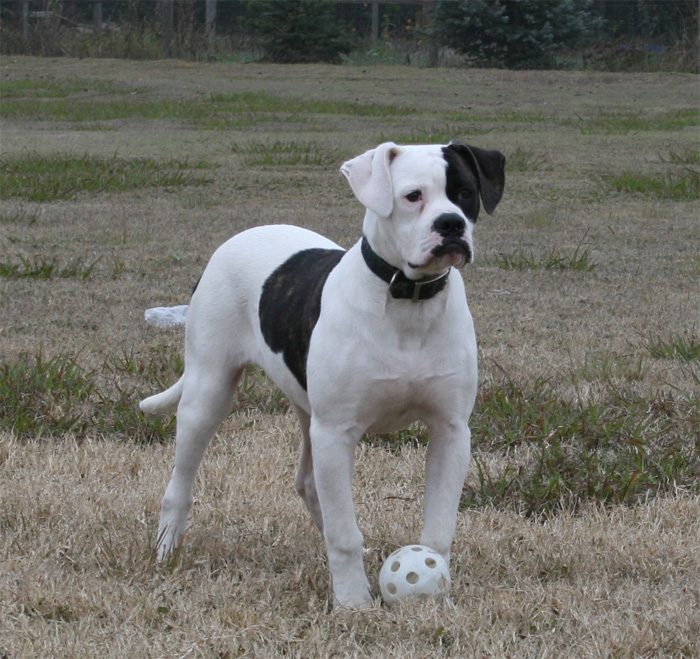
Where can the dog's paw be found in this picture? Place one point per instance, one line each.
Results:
(353, 599)
(354, 605)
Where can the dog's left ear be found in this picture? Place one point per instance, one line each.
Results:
(490, 169)
(370, 180)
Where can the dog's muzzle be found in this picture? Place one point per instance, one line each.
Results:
(452, 228)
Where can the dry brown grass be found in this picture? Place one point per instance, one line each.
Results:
(78, 515)
(79, 577)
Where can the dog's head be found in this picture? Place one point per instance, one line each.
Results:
(422, 201)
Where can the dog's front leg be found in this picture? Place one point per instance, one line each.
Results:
(447, 462)
(333, 460)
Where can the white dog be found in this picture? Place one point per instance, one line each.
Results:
(367, 340)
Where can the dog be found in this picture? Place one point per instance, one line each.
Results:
(365, 340)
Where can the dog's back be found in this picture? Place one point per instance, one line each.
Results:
(224, 315)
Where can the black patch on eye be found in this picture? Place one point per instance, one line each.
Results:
(460, 179)
(290, 304)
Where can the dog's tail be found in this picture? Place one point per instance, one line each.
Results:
(166, 400)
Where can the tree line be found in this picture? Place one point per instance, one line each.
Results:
(495, 33)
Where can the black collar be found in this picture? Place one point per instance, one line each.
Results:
(400, 286)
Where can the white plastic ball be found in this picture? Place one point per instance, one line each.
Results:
(414, 571)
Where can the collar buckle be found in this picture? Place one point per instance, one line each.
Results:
(416, 292)
(400, 286)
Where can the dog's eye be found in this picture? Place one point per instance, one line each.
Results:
(465, 194)
(414, 196)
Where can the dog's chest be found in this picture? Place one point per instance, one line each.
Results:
(380, 373)
(394, 395)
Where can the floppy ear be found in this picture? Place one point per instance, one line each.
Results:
(370, 180)
(489, 167)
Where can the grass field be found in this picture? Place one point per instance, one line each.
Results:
(580, 529)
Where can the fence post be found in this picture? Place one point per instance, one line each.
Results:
(375, 21)
(97, 18)
(427, 9)
(168, 18)
(210, 18)
(25, 19)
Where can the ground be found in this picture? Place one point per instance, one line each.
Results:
(587, 278)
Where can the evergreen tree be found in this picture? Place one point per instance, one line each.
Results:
(298, 31)
(515, 34)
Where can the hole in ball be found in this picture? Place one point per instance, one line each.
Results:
(391, 588)
(412, 578)
(430, 562)
(395, 566)
(416, 548)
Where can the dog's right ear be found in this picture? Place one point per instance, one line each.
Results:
(370, 179)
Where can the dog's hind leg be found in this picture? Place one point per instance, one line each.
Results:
(304, 483)
(207, 397)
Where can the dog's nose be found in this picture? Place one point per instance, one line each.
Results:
(449, 224)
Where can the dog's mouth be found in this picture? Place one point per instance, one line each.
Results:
(453, 251)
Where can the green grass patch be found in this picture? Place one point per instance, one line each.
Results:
(258, 392)
(219, 111)
(683, 347)
(42, 178)
(33, 88)
(77, 110)
(261, 102)
(288, 153)
(525, 160)
(48, 397)
(45, 267)
(669, 185)
(520, 117)
(578, 260)
(687, 156)
(43, 394)
(620, 449)
(612, 123)
(603, 367)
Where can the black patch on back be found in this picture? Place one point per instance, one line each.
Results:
(290, 304)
